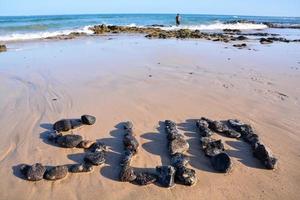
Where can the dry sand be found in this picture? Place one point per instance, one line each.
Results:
(109, 78)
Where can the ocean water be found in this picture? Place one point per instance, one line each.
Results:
(35, 27)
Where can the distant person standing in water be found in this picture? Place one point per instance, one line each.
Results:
(178, 18)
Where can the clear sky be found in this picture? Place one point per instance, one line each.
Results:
(236, 7)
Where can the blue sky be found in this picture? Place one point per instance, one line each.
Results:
(237, 7)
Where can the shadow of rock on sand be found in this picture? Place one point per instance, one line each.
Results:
(197, 157)
(244, 154)
(114, 155)
(158, 144)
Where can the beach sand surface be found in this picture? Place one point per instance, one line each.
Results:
(146, 81)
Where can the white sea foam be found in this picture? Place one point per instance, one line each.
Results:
(219, 26)
(42, 35)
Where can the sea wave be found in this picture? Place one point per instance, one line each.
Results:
(42, 35)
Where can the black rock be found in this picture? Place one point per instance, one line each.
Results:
(243, 45)
(178, 145)
(62, 125)
(221, 162)
(185, 176)
(179, 160)
(95, 158)
(241, 37)
(98, 147)
(203, 127)
(56, 173)
(79, 168)
(128, 125)
(166, 175)
(69, 141)
(265, 41)
(34, 172)
(145, 178)
(88, 119)
(130, 143)
(2, 48)
(264, 154)
(126, 158)
(127, 174)
(211, 146)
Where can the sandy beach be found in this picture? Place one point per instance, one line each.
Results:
(146, 81)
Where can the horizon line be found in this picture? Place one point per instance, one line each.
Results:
(133, 13)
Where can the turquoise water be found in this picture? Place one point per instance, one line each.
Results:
(31, 27)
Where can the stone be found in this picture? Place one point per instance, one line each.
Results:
(179, 145)
(241, 37)
(62, 125)
(172, 135)
(126, 160)
(264, 154)
(88, 119)
(221, 162)
(166, 175)
(130, 143)
(80, 168)
(179, 160)
(85, 144)
(145, 178)
(128, 125)
(127, 174)
(185, 176)
(98, 147)
(69, 141)
(203, 127)
(2, 48)
(265, 41)
(95, 158)
(76, 123)
(222, 127)
(56, 173)
(243, 45)
(212, 147)
(34, 172)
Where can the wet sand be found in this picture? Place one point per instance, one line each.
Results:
(147, 81)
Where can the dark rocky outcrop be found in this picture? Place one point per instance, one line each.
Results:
(265, 41)
(240, 46)
(56, 173)
(33, 172)
(3, 48)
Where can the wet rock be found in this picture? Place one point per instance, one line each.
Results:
(166, 175)
(179, 160)
(232, 30)
(145, 178)
(203, 127)
(69, 141)
(179, 145)
(221, 162)
(243, 45)
(95, 158)
(185, 176)
(2, 48)
(81, 168)
(85, 144)
(127, 174)
(98, 147)
(264, 154)
(88, 119)
(265, 41)
(211, 146)
(56, 173)
(34, 172)
(62, 125)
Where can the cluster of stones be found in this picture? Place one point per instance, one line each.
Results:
(128, 174)
(178, 170)
(213, 148)
(95, 155)
(2, 48)
(233, 129)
